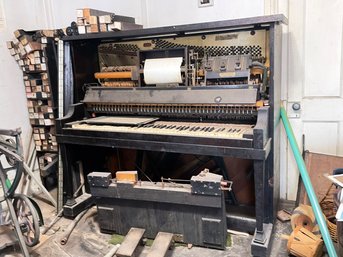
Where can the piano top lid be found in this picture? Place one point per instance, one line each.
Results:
(188, 29)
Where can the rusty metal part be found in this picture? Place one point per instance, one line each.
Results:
(119, 84)
(70, 228)
(112, 251)
(53, 222)
(117, 68)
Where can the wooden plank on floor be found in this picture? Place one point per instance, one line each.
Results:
(130, 243)
(160, 245)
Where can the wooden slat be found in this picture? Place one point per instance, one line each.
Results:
(130, 243)
(160, 245)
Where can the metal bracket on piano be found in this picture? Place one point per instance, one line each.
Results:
(226, 185)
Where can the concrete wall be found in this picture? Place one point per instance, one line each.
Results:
(162, 13)
(63, 12)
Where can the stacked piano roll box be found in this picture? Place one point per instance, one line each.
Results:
(93, 21)
(29, 50)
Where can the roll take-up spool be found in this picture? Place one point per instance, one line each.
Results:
(163, 71)
(118, 76)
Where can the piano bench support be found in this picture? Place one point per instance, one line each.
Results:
(259, 248)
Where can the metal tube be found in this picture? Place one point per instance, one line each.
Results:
(70, 228)
(14, 217)
(53, 222)
(308, 185)
(45, 191)
(112, 251)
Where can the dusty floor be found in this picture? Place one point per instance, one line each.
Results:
(86, 240)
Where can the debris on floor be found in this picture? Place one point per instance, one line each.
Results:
(87, 241)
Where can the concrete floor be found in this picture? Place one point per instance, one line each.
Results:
(86, 240)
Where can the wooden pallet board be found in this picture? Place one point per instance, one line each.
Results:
(130, 243)
(318, 165)
(160, 245)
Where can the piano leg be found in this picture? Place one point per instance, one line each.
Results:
(260, 243)
(67, 175)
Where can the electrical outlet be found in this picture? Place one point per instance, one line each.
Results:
(205, 3)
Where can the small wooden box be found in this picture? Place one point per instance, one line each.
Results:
(128, 176)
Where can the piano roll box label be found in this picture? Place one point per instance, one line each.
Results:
(169, 102)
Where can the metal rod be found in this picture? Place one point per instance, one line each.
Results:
(308, 185)
(14, 218)
(53, 222)
(112, 251)
(45, 191)
(70, 228)
(17, 228)
(175, 180)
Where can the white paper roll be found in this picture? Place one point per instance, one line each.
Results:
(162, 70)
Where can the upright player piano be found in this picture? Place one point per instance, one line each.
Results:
(208, 90)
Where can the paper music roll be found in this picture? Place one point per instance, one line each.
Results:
(162, 70)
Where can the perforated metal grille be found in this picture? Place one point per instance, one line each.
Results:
(254, 50)
(113, 48)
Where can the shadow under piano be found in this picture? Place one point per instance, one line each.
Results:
(194, 110)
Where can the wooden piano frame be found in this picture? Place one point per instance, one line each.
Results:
(80, 64)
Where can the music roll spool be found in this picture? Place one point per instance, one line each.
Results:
(113, 75)
(303, 216)
(163, 71)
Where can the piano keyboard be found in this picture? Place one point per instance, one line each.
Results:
(211, 130)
